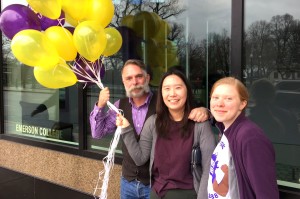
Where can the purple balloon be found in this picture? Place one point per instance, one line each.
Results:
(71, 29)
(47, 22)
(82, 65)
(17, 17)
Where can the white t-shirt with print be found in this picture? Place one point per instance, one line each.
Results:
(222, 181)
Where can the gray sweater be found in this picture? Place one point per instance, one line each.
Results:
(144, 149)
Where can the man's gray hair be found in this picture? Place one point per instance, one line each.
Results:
(138, 63)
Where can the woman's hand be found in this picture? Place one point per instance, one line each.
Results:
(200, 114)
(122, 121)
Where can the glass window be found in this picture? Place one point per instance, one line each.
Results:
(31, 110)
(272, 74)
(34, 111)
(191, 35)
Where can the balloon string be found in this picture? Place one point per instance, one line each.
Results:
(108, 161)
(91, 67)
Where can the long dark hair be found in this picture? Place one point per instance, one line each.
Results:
(163, 120)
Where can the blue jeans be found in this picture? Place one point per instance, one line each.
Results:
(134, 189)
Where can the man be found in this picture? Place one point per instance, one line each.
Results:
(137, 107)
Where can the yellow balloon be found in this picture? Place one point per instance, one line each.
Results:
(157, 73)
(90, 40)
(48, 8)
(163, 31)
(76, 9)
(70, 20)
(127, 21)
(101, 11)
(148, 50)
(60, 76)
(114, 41)
(156, 16)
(167, 53)
(63, 42)
(145, 24)
(33, 48)
(148, 46)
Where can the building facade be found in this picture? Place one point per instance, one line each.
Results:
(45, 137)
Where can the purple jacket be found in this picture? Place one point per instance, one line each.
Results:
(254, 158)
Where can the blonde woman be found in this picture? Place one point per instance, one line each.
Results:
(243, 162)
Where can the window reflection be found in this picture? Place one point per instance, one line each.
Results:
(31, 110)
(35, 112)
(188, 34)
(272, 74)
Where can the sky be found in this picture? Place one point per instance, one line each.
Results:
(215, 15)
(205, 16)
(5, 3)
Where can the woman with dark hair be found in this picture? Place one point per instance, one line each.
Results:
(168, 138)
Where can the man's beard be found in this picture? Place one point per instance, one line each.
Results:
(144, 89)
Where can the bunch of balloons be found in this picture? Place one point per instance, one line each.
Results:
(62, 55)
(154, 47)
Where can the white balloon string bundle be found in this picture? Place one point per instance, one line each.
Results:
(93, 67)
(108, 161)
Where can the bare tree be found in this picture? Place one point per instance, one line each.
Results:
(6, 50)
(129, 8)
(281, 29)
(294, 49)
(260, 47)
(165, 9)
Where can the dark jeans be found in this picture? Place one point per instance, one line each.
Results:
(175, 194)
(134, 190)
